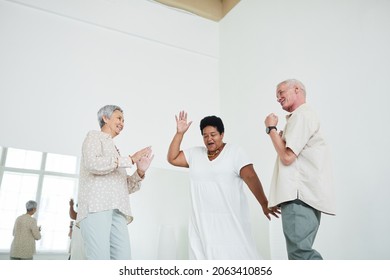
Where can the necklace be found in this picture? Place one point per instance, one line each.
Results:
(213, 154)
(210, 155)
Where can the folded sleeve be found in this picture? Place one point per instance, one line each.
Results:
(134, 182)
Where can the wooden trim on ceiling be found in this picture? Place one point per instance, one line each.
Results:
(210, 9)
(227, 5)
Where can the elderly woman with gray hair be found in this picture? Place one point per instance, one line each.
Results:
(104, 186)
(25, 233)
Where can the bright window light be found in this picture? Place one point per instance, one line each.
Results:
(49, 179)
(61, 163)
(16, 189)
(18, 158)
(54, 212)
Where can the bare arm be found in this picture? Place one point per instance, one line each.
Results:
(248, 174)
(285, 154)
(175, 155)
(72, 213)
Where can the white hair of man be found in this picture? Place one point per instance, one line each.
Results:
(107, 111)
(294, 82)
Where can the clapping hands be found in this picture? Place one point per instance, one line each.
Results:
(143, 159)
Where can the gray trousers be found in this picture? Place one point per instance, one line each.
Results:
(300, 225)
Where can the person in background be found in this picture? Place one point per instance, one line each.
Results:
(219, 225)
(76, 248)
(104, 188)
(70, 233)
(302, 179)
(25, 232)
(72, 212)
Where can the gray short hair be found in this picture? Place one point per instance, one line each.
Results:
(107, 111)
(294, 82)
(30, 205)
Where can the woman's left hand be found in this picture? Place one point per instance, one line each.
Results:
(141, 153)
(144, 162)
(274, 211)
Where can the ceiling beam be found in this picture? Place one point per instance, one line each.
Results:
(210, 9)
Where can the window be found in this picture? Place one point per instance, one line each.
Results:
(49, 179)
(61, 163)
(23, 159)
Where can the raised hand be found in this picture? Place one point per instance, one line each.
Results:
(181, 122)
(271, 120)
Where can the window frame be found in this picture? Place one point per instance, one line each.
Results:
(41, 172)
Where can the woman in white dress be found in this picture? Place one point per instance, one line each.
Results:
(219, 226)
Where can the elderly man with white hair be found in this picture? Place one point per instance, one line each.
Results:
(302, 181)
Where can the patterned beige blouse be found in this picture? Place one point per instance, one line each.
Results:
(104, 183)
(25, 233)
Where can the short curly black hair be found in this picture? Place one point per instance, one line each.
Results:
(212, 121)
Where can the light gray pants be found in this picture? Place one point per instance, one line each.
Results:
(300, 225)
(106, 236)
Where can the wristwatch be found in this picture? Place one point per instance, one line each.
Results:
(269, 128)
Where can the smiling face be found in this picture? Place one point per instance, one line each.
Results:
(114, 124)
(286, 96)
(291, 94)
(212, 139)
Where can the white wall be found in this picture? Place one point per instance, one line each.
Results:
(340, 51)
(64, 69)
(161, 211)
(60, 61)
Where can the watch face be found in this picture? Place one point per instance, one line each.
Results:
(268, 129)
